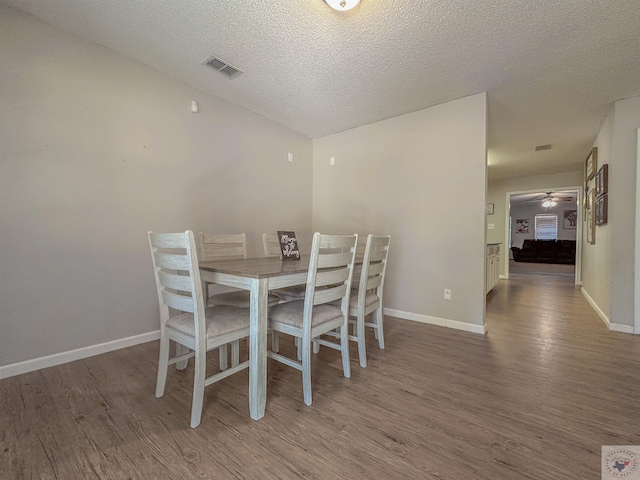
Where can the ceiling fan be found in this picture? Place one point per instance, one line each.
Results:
(549, 200)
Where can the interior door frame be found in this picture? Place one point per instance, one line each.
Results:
(579, 208)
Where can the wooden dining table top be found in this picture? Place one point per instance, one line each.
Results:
(259, 267)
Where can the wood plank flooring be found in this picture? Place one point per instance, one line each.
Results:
(534, 399)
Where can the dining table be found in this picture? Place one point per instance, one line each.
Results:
(258, 276)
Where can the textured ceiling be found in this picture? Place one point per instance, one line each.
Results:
(551, 69)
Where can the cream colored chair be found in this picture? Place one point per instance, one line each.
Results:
(184, 319)
(229, 246)
(329, 279)
(368, 299)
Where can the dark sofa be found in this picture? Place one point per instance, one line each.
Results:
(546, 251)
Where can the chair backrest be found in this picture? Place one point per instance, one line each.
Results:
(214, 246)
(330, 272)
(271, 245)
(175, 265)
(374, 266)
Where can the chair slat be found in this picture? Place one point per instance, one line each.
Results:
(332, 277)
(378, 255)
(175, 281)
(374, 282)
(334, 259)
(172, 261)
(168, 240)
(337, 242)
(327, 295)
(376, 268)
(179, 302)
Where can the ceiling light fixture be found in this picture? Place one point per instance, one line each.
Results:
(549, 203)
(342, 5)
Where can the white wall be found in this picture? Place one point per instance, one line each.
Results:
(609, 276)
(96, 150)
(497, 193)
(420, 177)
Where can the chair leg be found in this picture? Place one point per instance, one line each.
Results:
(181, 350)
(198, 388)
(344, 347)
(275, 341)
(222, 355)
(378, 316)
(163, 365)
(316, 347)
(235, 353)
(306, 371)
(362, 349)
(299, 348)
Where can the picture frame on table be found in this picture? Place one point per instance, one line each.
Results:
(288, 245)
(591, 164)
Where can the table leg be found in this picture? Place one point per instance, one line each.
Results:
(258, 348)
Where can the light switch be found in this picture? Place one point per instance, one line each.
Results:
(290, 157)
(332, 161)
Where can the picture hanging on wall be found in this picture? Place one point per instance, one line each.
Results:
(591, 164)
(591, 219)
(522, 225)
(570, 219)
(601, 209)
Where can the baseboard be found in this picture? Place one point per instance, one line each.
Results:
(503, 277)
(614, 327)
(14, 369)
(441, 322)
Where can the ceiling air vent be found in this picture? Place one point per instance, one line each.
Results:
(543, 147)
(222, 67)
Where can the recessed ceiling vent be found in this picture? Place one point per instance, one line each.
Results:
(543, 147)
(221, 66)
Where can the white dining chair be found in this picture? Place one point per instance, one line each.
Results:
(228, 247)
(184, 318)
(328, 279)
(368, 299)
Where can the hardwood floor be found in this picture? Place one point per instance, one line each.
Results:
(534, 399)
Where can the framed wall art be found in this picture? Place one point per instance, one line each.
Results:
(522, 225)
(601, 209)
(489, 209)
(569, 219)
(591, 164)
(591, 220)
(602, 180)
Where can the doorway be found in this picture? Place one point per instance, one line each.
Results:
(544, 232)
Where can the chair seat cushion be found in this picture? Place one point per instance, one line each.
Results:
(290, 313)
(295, 291)
(238, 298)
(220, 320)
(369, 299)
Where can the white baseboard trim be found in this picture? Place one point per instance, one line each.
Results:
(14, 369)
(614, 327)
(503, 277)
(441, 322)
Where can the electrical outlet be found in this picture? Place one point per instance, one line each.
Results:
(447, 294)
(491, 226)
